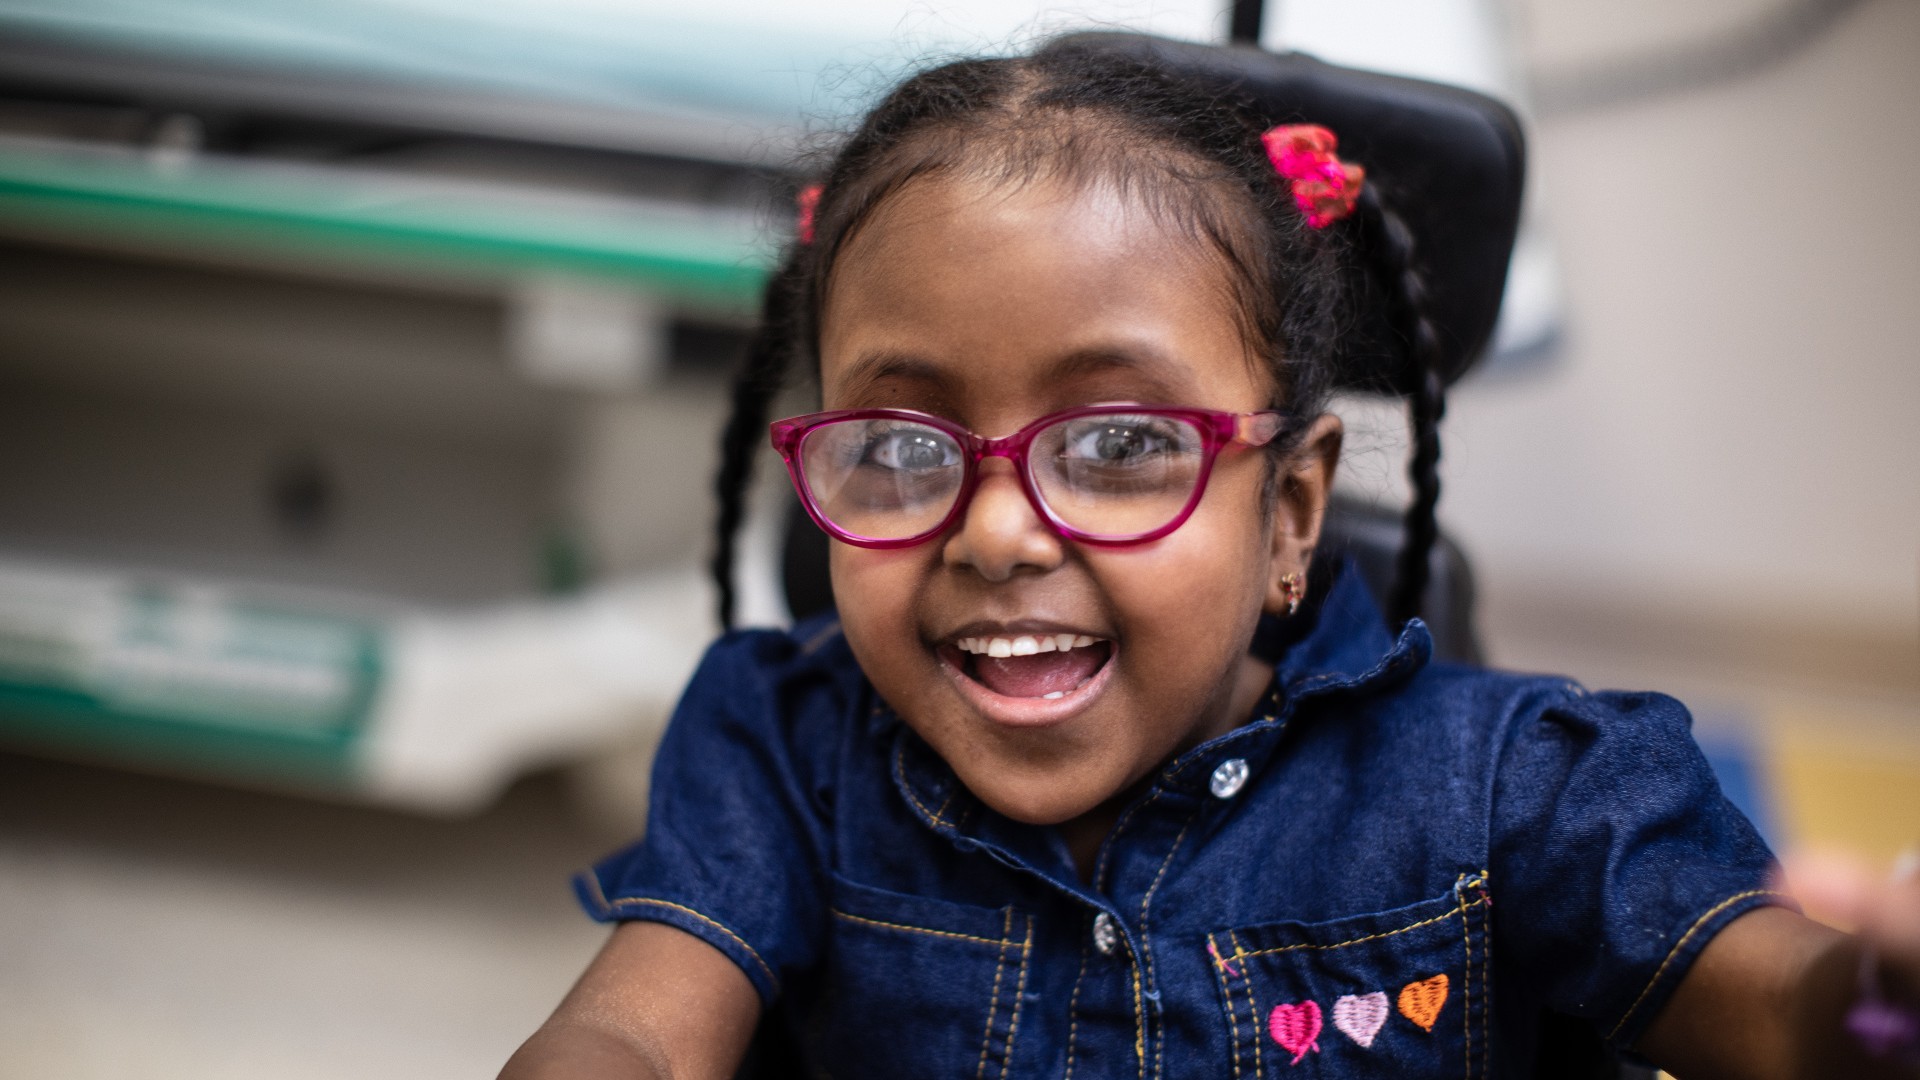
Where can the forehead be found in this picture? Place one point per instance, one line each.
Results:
(994, 302)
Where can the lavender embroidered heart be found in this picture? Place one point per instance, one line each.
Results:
(1359, 1016)
(1296, 1028)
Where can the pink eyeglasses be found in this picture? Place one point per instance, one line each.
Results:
(1099, 474)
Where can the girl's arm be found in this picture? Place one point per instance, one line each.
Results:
(656, 1002)
(1768, 997)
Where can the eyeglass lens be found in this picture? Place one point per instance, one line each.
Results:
(882, 479)
(1107, 474)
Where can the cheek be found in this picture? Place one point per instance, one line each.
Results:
(875, 593)
(1226, 542)
(1198, 591)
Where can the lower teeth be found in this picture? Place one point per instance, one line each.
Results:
(1055, 694)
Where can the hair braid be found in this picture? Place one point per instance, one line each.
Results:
(754, 387)
(1392, 244)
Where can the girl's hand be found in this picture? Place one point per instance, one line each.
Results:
(1886, 916)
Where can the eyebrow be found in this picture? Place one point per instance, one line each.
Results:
(874, 368)
(1148, 367)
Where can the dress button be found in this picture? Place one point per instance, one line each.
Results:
(1105, 936)
(1228, 778)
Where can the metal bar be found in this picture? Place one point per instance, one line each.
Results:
(1247, 16)
(711, 260)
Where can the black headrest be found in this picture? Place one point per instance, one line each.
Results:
(1449, 161)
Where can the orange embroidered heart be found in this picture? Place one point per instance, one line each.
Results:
(1422, 1001)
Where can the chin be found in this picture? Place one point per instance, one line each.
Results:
(1045, 799)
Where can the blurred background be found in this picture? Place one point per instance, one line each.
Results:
(361, 363)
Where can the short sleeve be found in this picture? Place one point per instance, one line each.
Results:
(1615, 857)
(735, 844)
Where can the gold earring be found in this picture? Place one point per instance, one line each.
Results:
(1295, 590)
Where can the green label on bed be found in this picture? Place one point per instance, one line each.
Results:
(183, 654)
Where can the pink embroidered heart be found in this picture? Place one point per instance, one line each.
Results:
(1359, 1016)
(1296, 1028)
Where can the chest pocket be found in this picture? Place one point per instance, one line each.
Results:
(918, 987)
(1400, 993)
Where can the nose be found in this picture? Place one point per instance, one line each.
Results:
(1000, 534)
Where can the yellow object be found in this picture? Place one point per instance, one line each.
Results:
(1845, 782)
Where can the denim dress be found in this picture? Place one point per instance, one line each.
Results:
(1395, 868)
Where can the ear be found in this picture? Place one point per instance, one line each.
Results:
(1300, 506)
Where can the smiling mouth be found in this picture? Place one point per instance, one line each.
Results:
(1043, 666)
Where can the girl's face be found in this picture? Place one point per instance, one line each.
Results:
(995, 305)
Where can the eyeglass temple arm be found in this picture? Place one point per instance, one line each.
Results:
(1257, 429)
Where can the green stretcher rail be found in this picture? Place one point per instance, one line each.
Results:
(711, 259)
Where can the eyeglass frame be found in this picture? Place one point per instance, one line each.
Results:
(1218, 431)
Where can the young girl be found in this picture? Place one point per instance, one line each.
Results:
(1095, 772)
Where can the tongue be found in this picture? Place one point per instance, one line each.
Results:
(1040, 674)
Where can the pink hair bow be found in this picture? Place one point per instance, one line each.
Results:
(1324, 187)
(804, 205)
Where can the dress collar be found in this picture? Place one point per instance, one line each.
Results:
(1338, 644)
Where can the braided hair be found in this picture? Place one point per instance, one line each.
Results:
(1192, 156)
(754, 388)
(1389, 246)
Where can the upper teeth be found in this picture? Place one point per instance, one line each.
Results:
(1024, 645)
